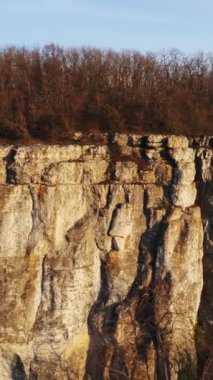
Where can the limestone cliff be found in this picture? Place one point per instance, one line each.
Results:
(101, 248)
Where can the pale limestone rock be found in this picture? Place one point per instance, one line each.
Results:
(126, 172)
(152, 154)
(184, 195)
(155, 196)
(5, 367)
(122, 142)
(185, 173)
(117, 222)
(15, 217)
(51, 276)
(182, 154)
(71, 173)
(177, 142)
(35, 164)
(122, 222)
(64, 173)
(4, 152)
(80, 229)
(156, 216)
(147, 176)
(92, 175)
(155, 140)
(175, 308)
(206, 158)
(66, 206)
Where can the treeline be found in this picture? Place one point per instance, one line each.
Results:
(51, 92)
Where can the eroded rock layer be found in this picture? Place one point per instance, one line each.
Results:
(101, 250)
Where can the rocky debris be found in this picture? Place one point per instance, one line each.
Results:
(101, 258)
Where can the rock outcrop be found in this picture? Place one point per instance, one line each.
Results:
(101, 249)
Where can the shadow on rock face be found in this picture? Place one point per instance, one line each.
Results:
(17, 370)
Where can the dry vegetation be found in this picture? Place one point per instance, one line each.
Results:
(49, 93)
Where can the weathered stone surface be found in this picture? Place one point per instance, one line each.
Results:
(182, 154)
(205, 159)
(184, 195)
(175, 310)
(101, 258)
(15, 206)
(177, 142)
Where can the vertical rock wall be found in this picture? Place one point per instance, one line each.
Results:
(101, 251)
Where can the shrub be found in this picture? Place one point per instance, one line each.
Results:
(42, 127)
(110, 118)
(10, 130)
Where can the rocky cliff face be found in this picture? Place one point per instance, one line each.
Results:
(101, 250)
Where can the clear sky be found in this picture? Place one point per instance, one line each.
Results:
(145, 25)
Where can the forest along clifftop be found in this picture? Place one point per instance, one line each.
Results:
(48, 93)
(106, 258)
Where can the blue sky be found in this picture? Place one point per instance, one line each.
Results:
(145, 25)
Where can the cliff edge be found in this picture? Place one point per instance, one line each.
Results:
(106, 259)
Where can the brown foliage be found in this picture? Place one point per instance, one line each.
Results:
(49, 93)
